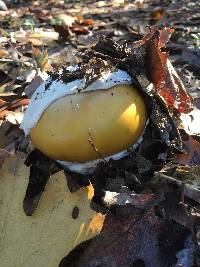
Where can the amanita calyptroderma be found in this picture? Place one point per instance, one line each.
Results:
(75, 123)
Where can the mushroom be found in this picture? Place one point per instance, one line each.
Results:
(79, 125)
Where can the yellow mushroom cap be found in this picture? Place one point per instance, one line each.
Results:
(82, 127)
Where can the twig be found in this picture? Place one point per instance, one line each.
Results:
(94, 147)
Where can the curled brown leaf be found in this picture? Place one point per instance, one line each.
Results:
(162, 74)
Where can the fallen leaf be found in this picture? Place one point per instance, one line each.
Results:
(44, 37)
(165, 35)
(3, 155)
(63, 31)
(156, 15)
(2, 103)
(190, 122)
(36, 41)
(131, 241)
(142, 201)
(163, 75)
(190, 176)
(186, 178)
(5, 113)
(61, 221)
(101, 3)
(15, 117)
(30, 89)
(7, 107)
(65, 19)
(80, 29)
(117, 3)
(89, 22)
(3, 53)
(9, 134)
(42, 59)
(3, 6)
(82, 20)
(5, 81)
(191, 155)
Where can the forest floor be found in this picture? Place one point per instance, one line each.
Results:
(40, 36)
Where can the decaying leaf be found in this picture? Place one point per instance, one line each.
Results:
(191, 156)
(38, 37)
(30, 89)
(66, 25)
(61, 221)
(187, 180)
(3, 155)
(6, 107)
(156, 15)
(64, 19)
(131, 241)
(162, 74)
(9, 134)
(42, 59)
(3, 53)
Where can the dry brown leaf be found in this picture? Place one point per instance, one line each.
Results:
(79, 29)
(44, 37)
(2, 103)
(157, 15)
(36, 41)
(190, 176)
(10, 116)
(162, 74)
(42, 58)
(50, 233)
(63, 31)
(7, 109)
(5, 113)
(8, 134)
(3, 53)
(14, 104)
(30, 89)
(131, 241)
(82, 20)
(191, 157)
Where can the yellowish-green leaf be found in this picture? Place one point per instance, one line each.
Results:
(44, 238)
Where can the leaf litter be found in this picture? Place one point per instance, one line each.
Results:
(159, 220)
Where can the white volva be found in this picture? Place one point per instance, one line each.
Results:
(51, 91)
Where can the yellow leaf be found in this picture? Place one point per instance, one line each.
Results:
(36, 41)
(44, 238)
(3, 53)
(42, 58)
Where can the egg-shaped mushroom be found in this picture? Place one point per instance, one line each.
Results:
(72, 123)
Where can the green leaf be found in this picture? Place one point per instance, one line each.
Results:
(197, 37)
(28, 24)
(56, 21)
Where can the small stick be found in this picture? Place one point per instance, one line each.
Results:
(94, 147)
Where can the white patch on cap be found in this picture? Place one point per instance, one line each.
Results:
(50, 90)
